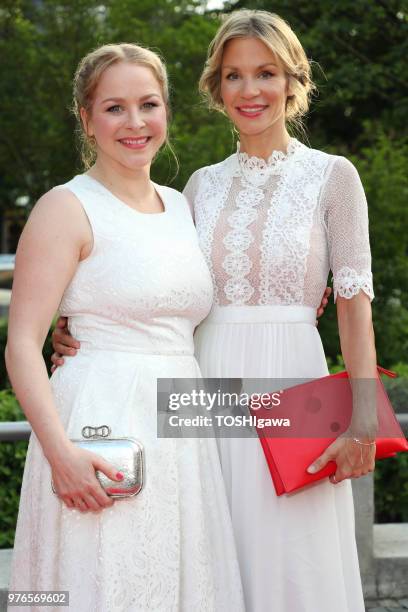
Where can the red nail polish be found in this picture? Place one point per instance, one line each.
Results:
(119, 475)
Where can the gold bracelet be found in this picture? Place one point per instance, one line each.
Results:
(363, 443)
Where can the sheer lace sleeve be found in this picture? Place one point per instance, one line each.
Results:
(346, 218)
(190, 190)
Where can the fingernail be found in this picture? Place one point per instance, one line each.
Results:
(312, 469)
(119, 476)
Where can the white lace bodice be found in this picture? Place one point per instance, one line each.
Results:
(145, 286)
(271, 230)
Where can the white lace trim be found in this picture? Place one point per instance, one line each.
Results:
(257, 171)
(286, 235)
(348, 282)
(237, 264)
(215, 184)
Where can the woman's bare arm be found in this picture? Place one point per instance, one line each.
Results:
(53, 241)
(356, 459)
(39, 281)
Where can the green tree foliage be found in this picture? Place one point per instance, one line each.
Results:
(12, 459)
(391, 490)
(40, 44)
(383, 169)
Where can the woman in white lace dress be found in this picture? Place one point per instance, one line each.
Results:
(119, 256)
(272, 220)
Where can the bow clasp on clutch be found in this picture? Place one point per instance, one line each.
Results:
(103, 431)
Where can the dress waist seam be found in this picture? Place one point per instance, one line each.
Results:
(262, 314)
(89, 347)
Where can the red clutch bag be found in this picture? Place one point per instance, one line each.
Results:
(318, 412)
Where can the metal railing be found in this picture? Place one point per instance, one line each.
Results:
(12, 431)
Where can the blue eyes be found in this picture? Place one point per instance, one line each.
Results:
(117, 107)
(265, 74)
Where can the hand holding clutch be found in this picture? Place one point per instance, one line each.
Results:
(321, 412)
(354, 457)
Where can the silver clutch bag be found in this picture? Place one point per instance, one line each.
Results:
(126, 454)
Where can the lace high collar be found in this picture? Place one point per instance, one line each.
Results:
(257, 171)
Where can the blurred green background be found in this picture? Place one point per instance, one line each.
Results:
(359, 50)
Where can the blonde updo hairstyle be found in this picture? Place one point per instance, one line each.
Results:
(277, 35)
(88, 74)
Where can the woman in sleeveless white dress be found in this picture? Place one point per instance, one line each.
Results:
(134, 303)
(271, 224)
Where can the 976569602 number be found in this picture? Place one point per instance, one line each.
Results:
(44, 598)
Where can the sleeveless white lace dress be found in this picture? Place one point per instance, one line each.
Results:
(270, 232)
(133, 304)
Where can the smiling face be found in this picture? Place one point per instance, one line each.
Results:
(128, 118)
(254, 88)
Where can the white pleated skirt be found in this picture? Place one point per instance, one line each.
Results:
(297, 552)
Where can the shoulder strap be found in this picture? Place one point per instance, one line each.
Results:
(96, 202)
